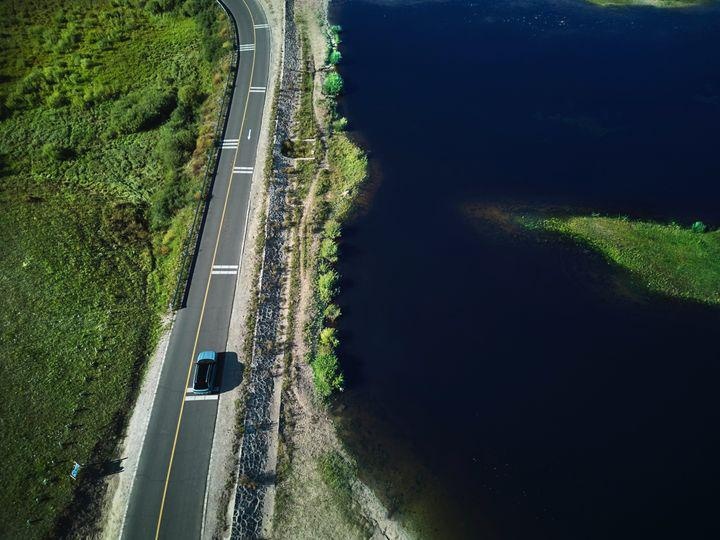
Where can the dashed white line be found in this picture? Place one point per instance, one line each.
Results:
(249, 133)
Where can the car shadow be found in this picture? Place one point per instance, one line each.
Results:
(229, 372)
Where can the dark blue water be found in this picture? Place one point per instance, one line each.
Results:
(503, 385)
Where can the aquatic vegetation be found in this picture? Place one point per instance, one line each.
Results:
(669, 259)
(650, 3)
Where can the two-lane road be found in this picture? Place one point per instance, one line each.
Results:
(168, 490)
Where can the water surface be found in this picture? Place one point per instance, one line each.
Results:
(499, 385)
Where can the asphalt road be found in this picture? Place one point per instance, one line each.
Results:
(168, 491)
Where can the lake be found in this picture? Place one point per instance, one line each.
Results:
(501, 384)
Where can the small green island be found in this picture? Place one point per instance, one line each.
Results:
(669, 259)
(651, 3)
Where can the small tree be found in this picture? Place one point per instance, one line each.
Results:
(332, 312)
(326, 374)
(698, 227)
(328, 340)
(333, 84)
(334, 57)
(327, 286)
(329, 250)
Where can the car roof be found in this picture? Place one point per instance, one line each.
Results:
(206, 355)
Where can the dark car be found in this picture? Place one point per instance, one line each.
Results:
(205, 367)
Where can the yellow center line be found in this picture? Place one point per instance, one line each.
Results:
(207, 288)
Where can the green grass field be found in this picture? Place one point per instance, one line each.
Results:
(668, 259)
(106, 114)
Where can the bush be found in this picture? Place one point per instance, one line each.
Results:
(328, 340)
(333, 84)
(57, 152)
(332, 312)
(698, 227)
(174, 147)
(327, 285)
(329, 250)
(340, 124)
(326, 375)
(142, 112)
(168, 200)
(334, 57)
(331, 229)
(56, 100)
(125, 222)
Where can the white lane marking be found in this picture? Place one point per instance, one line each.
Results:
(225, 266)
(249, 133)
(242, 170)
(262, 26)
(257, 89)
(225, 272)
(247, 47)
(206, 397)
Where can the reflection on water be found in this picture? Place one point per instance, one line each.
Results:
(501, 384)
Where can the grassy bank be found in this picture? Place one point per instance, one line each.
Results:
(316, 477)
(107, 113)
(669, 259)
(650, 3)
(323, 200)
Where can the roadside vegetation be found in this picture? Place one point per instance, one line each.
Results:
(107, 115)
(683, 262)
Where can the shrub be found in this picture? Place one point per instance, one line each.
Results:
(698, 227)
(329, 250)
(328, 340)
(57, 152)
(125, 222)
(326, 374)
(161, 6)
(168, 200)
(142, 112)
(334, 57)
(56, 99)
(333, 84)
(340, 124)
(327, 285)
(331, 229)
(332, 312)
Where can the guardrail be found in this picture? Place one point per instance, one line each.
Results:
(192, 240)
